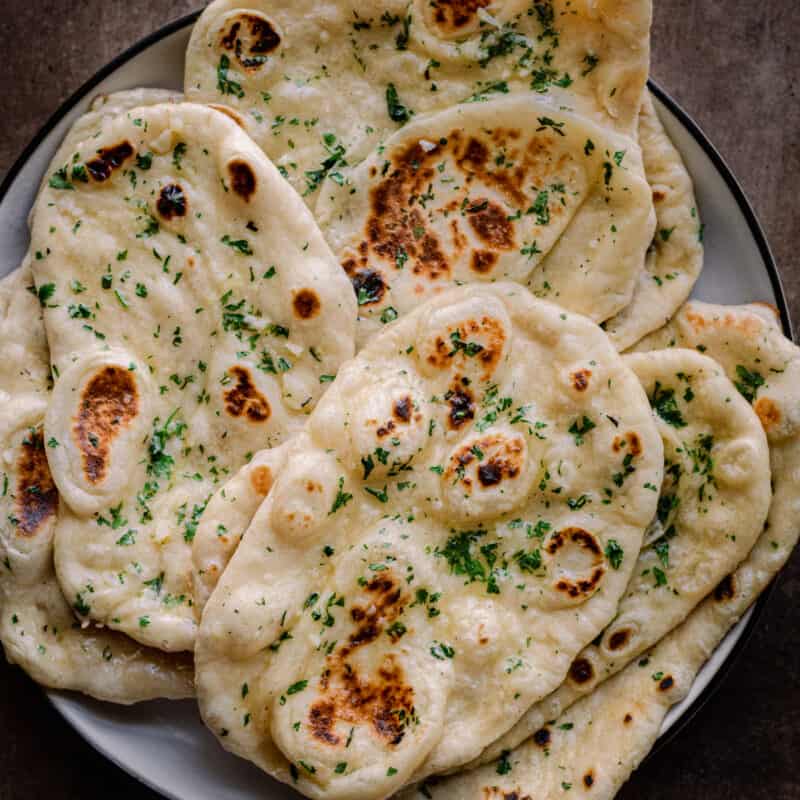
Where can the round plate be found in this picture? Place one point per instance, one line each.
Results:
(164, 744)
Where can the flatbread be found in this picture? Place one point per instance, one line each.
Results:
(514, 188)
(711, 509)
(194, 312)
(37, 627)
(608, 733)
(310, 79)
(102, 109)
(227, 516)
(448, 509)
(675, 259)
(595, 746)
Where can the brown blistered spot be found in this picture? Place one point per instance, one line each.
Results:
(244, 399)
(36, 498)
(369, 286)
(581, 671)
(619, 639)
(399, 229)
(770, 307)
(474, 156)
(628, 719)
(261, 480)
(666, 683)
(453, 16)
(383, 700)
(588, 780)
(402, 409)
(108, 404)
(251, 37)
(631, 441)
(578, 535)
(496, 793)
(479, 340)
(491, 223)
(461, 402)
(725, 590)
(542, 737)
(658, 195)
(385, 429)
(580, 379)
(768, 412)
(108, 159)
(399, 235)
(499, 458)
(243, 179)
(483, 261)
(306, 304)
(171, 202)
(749, 325)
(581, 587)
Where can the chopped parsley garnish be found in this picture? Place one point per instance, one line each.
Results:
(161, 462)
(388, 315)
(591, 61)
(59, 180)
(240, 245)
(748, 382)
(614, 553)
(528, 561)
(342, 498)
(224, 84)
(46, 292)
(579, 429)
(546, 122)
(470, 349)
(397, 111)
(665, 405)
(378, 494)
(503, 764)
(442, 651)
(336, 152)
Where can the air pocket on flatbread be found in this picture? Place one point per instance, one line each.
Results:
(446, 529)
(38, 628)
(193, 311)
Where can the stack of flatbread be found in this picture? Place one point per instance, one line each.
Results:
(356, 390)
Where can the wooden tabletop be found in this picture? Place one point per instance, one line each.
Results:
(734, 66)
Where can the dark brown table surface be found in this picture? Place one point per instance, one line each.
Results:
(734, 65)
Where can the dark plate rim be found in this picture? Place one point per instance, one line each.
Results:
(697, 134)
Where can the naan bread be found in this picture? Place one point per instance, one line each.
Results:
(446, 530)
(509, 189)
(712, 508)
(322, 84)
(193, 311)
(593, 748)
(103, 109)
(228, 515)
(675, 258)
(37, 627)
(608, 733)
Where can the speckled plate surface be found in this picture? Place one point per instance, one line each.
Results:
(164, 744)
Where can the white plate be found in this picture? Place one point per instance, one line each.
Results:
(165, 744)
